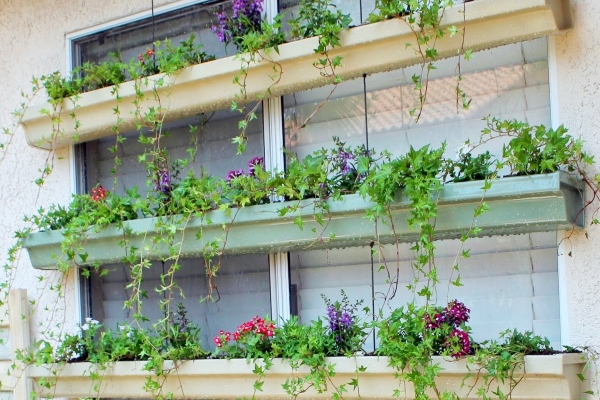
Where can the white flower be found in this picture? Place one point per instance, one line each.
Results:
(464, 149)
(91, 321)
(85, 327)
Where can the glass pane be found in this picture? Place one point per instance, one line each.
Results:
(358, 9)
(132, 39)
(325, 273)
(342, 115)
(216, 155)
(509, 282)
(242, 292)
(506, 82)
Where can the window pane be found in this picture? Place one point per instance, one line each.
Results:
(506, 82)
(132, 39)
(242, 282)
(509, 282)
(242, 292)
(343, 115)
(216, 155)
(358, 9)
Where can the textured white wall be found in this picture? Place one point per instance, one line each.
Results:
(577, 106)
(33, 43)
(578, 87)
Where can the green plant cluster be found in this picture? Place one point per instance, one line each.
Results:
(409, 336)
(326, 174)
(163, 58)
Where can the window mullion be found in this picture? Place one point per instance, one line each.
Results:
(274, 160)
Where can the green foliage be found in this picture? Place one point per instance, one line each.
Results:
(171, 59)
(536, 149)
(167, 59)
(321, 18)
(469, 167)
(96, 76)
(305, 345)
(495, 363)
(387, 9)
(175, 339)
(59, 87)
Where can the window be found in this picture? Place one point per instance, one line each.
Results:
(510, 281)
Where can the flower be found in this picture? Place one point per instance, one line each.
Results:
(456, 312)
(98, 193)
(163, 181)
(145, 55)
(234, 174)
(459, 342)
(246, 17)
(466, 148)
(254, 162)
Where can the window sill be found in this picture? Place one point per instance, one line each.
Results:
(365, 49)
(522, 204)
(545, 377)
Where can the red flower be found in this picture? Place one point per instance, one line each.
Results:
(98, 193)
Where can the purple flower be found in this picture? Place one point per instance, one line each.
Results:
(254, 162)
(234, 174)
(346, 319)
(461, 340)
(434, 322)
(163, 181)
(456, 313)
(246, 16)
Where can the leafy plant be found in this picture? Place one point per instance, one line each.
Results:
(253, 339)
(469, 167)
(536, 149)
(96, 76)
(247, 29)
(344, 325)
(59, 87)
(322, 19)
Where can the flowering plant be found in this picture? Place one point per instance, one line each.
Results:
(246, 28)
(252, 339)
(448, 327)
(252, 187)
(344, 325)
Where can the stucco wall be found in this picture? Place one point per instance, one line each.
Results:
(578, 52)
(578, 107)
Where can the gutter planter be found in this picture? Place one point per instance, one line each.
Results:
(521, 204)
(544, 377)
(365, 49)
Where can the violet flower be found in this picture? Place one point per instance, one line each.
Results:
(254, 162)
(234, 174)
(163, 181)
(456, 313)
